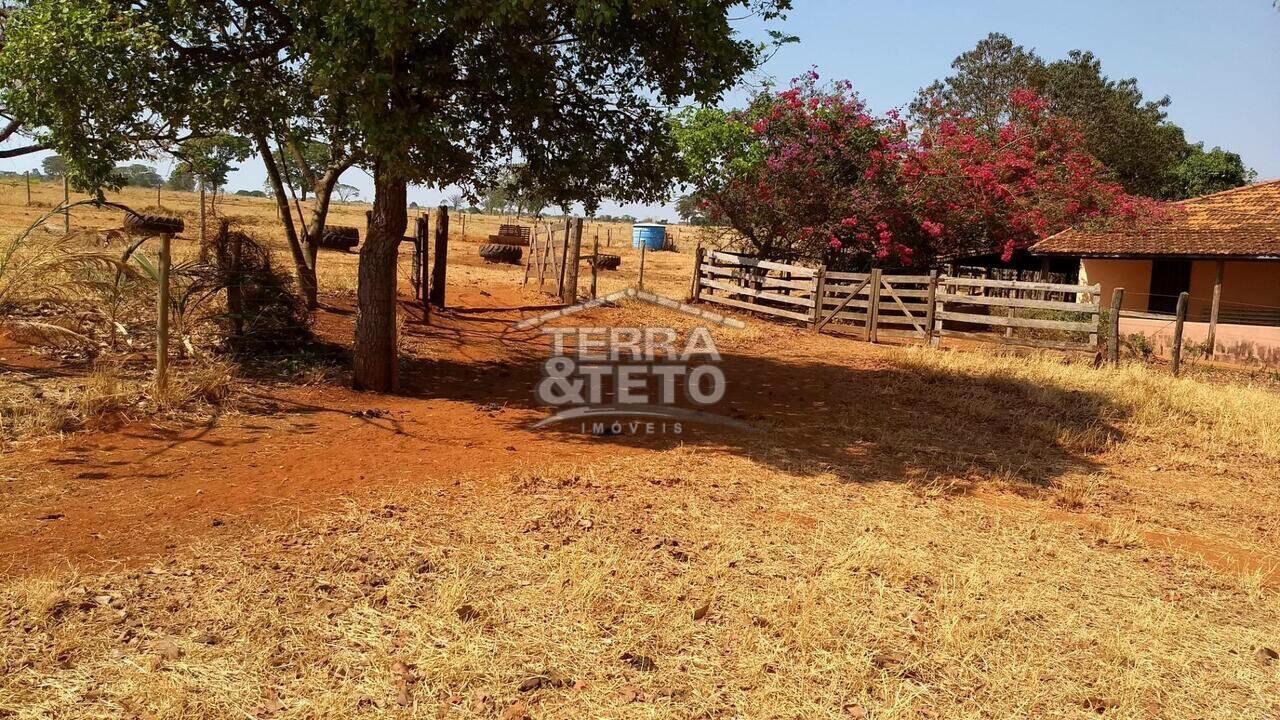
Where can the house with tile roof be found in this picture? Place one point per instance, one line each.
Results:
(1224, 251)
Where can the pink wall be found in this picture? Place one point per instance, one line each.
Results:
(1248, 287)
(1246, 344)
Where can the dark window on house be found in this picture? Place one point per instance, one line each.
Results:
(1169, 278)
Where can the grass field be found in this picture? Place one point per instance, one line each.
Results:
(905, 534)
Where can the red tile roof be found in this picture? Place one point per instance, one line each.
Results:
(1244, 222)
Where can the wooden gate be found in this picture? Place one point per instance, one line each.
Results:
(876, 304)
(548, 250)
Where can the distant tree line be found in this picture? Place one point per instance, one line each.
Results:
(1130, 134)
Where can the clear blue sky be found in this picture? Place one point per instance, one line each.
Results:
(1218, 60)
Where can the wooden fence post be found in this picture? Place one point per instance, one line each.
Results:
(1179, 320)
(1113, 339)
(66, 211)
(1212, 339)
(873, 305)
(569, 295)
(533, 251)
(441, 267)
(819, 289)
(202, 237)
(28, 174)
(698, 256)
(425, 248)
(935, 338)
(564, 255)
(929, 310)
(644, 243)
(162, 315)
(595, 260)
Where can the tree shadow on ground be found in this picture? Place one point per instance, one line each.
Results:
(860, 419)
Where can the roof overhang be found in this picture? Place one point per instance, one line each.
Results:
(1153, 256)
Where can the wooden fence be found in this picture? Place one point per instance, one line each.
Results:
(548, 251)
(922, 307)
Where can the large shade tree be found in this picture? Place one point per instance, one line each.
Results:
(448, 93)
(102, 81)
(1129, 133)
(429, 92)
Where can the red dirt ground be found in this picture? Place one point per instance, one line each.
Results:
(130, 494)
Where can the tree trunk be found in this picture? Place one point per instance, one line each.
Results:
(319, 217)
(376, 358)
(304, 257)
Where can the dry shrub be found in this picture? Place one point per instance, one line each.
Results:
(104, 392)
(264, 311)
(26, 418)
(205, 384)
(1075, 492)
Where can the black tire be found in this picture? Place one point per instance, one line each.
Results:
(501, 253)
(340, 237)
(608, 262)
(153, 224)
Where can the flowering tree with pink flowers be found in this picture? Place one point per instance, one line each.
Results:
(808, 174)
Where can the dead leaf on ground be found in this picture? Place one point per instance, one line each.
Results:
(630, 694)
(517, 711)
(467, 613)
(271, 703)
(166, 649)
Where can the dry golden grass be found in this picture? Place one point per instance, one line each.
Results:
(757, 588)
(953, 535)
(822, 598)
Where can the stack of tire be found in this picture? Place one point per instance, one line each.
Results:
(504, 249)
(607, 262)
(340, 237)
(143, 224)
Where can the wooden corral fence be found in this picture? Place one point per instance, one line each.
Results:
(555, 252)
(929, 307)
(548, 250)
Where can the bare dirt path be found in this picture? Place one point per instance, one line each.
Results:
(147, 489)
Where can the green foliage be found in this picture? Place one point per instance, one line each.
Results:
(210, 159)
(1129, 133)
(137, 175)
(55, 166)
(983, 81)
(181, 179)
(715, 147)
(87, 81)
(1202, 173)
(346, 193)
(689, 210)
(447, 93)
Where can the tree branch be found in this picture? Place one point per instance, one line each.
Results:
(20, 151)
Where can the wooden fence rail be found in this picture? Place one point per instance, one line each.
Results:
(921, 307)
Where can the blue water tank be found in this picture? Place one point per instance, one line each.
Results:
(652, 236)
